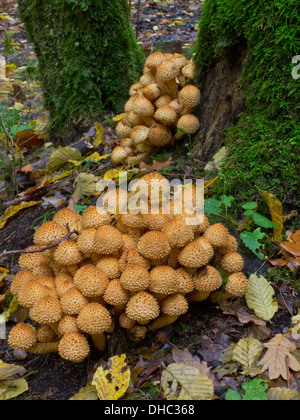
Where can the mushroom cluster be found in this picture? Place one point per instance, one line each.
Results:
(135, 271)
(160, 109)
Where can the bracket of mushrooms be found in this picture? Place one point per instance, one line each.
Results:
(159, 111)
(135, 271)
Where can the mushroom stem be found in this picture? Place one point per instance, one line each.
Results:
(44, 348)
(99, 341)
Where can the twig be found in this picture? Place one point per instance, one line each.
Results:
(33, 251)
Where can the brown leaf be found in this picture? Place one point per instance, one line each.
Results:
(292, 248)
(157, 166)
(279, 262)
(27, 169)
(241, 312)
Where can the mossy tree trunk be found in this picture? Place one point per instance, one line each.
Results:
(87, 53)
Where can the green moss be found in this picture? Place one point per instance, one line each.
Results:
(264, 145)
(87, 53)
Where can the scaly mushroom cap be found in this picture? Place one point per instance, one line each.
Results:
(74, 347)
(177, 106)
(179, 60)
(95, 217)
(208, 280)
(195, 255)
(19, 281)
(164, 280)
(185, 282)
(152, 92)
(154, 245)
(63, 283)
(94, 319)
(217, 235)
(237, 285)
(49, 233)
(189, 123)
(154, 60)
(131, 119)
(45, 334)
(163, 100)
(133, 256)
(178, 233)
(203, 224)
(189, 96)
(147, 79)
(142, 106)
(91, 281)
(67, 253)
(134, 220)
(157, 221)
(31, 293)
(175, 305)
(232, 246)
(30, 261)
(115, 294)
(73, 301)
(123, 130)
(126, 322)
(126, 142)
(135, 89)
(128, 243)
(139, 134)
(142, 308)
(166, 115)
(166, 71)
(66, 217)
(135, 278)
(47, 310)
(110, 266)
(22, 337)
(107, 240)
(86, 240)
(119, 154)
(189, 71)
(232, 262)
(68, 324)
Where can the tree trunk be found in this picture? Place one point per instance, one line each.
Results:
(87, 53)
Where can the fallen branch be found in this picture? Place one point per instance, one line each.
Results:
(33, 251)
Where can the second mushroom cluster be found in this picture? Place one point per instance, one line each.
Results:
(160, 109)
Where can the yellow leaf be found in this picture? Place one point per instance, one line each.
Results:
(87, 393)
(276, 210)
(113, 382)
(283, 394)
(9, 371)
(259, 297)
(85, 185)
(247, 352)
(3, 274)
(12, 388)
(184, 382)
(118, 118)
(12, 210)
(112, 174)
(217, 160)
(13, 306)
(99, 135)
(61, 157)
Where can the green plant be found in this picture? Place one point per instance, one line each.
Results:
(8, 44)
(254, 390)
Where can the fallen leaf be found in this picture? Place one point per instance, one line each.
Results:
(292, 248)
(99, 135)
(61, 157)
(247, 352)
(156, 166)
(87, 393)
(283, 394)
(27, 169)
(259, 297)
(13, 210)
(276, 210)
(240, 311)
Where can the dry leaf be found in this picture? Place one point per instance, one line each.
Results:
(259, 297)
(87, 393)
(156, 166)
(61, 157)
(240, 311)
(276, 210)
(247, 352)
(13, 210)
(278, 357)
(283, 394)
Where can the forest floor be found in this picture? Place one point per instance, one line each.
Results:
(209, 328)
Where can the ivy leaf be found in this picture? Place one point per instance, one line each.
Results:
(213, 206)
(251, 239)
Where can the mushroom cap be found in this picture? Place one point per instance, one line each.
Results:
(189, 96)
(189, 123)
(135, 278)
(49, 233)
(123, 130)
(154, 60)
(152, 92)
(86, 240)
(179, 60)
(45, 334)
(22, 337)
(189, 71)
(185, 282)
(132, 119)
(208, 280)
(126, 322)
(135, 89)
(73, 301)
(119, 154)
(128, 243)
(31, 293)
(20, 280)
(95, 217)
(232, 262)
(175, 305)
(66, 217)
(237, 284)
(91, 281)
(142, 106)
(147, 79)
(67, 324)
(160, 136)
(28, 262)
(142, 307)
(115, 294)
(177, 106)
(166, 115)
(74, 347)
(68, 253)
(163, 100)
(164, 280)
(203, 224)
(157, 221)
(217, 235)
(110, 266)
(166, 71)
(195, 255)
(134, 220)
(179, 234)
(94, 319)
(154, 245)
(47, 310)
(139, 134)
(63, 283)
(107, 240)
(232, 246)
(133, 256)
